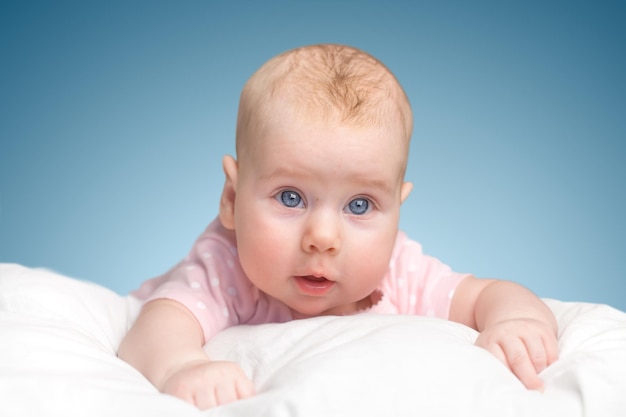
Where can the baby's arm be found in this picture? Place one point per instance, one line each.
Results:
(515, 325)
(165, 345)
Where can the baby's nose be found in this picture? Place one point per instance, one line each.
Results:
(322, 234)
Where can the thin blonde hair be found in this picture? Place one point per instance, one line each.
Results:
(324, 82)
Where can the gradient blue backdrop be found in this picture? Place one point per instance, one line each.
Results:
(115, 117)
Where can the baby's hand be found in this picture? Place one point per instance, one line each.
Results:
(207, 384)
(526, 346)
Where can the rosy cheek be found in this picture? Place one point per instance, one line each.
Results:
(258, 249)
(375, 268)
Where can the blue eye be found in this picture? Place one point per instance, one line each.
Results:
(359, 206)
(290, 199)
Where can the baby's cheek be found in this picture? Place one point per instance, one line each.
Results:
(370, 270)
(262, 253)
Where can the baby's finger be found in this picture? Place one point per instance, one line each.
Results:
(245, 388)
(226, 393)
(205, 399)
(537, 353)
(497, 351)
(520, 364)
(551, 346)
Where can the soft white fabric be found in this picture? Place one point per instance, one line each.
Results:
(58, 338)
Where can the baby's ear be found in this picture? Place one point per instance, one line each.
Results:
(405, 191)
(227, 201)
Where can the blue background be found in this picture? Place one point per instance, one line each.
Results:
(115, 117)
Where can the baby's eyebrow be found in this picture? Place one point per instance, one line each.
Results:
(374, 183)
(360, 180)
(280, 172)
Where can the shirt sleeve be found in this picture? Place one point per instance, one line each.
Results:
(420, 284)
(208, 283)
(211, 284)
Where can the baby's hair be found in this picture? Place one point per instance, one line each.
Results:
(325, 82)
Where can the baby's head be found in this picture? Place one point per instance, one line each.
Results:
(314, 195)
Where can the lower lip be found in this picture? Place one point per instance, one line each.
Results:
(314, 287)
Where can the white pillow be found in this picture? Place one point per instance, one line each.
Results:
(68, 302)
(59, 337)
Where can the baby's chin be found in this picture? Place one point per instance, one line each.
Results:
(299, 314)
(344, 310)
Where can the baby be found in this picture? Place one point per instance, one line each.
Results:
(308, 226)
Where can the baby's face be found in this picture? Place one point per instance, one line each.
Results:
(316, 213)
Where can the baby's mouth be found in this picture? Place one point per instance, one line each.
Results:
(314, 278)
(314, 285)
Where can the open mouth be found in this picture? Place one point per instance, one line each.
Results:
(312, 285)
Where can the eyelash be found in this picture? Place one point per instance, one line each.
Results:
(293, 199)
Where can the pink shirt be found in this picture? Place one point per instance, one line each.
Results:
(212, 285)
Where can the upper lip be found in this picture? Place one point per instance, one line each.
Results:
(315, 278)
(316, 275)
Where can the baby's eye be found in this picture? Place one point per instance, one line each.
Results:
(358, 206)
(290, 199)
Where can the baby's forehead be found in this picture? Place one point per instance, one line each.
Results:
(287, 126)
(325, 153)
(301, 138)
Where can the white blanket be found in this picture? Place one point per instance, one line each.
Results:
(58, 341)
